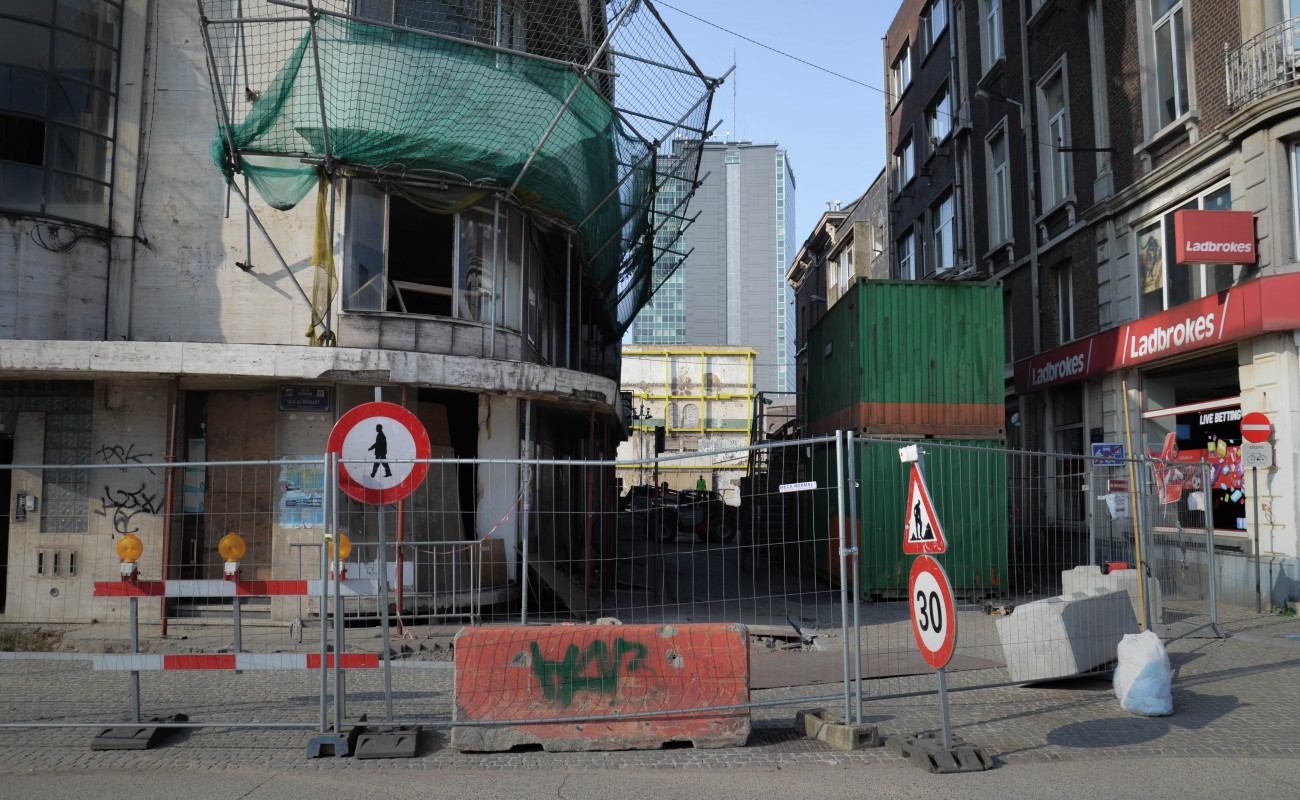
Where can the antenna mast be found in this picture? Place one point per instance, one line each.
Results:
(735, 121)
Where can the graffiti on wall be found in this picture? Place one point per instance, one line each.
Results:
(124, 456)
(121, 503)
(595, 668)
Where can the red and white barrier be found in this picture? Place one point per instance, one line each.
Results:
(232, 661)
(221, 588)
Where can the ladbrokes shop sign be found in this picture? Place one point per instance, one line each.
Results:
(1256, 307)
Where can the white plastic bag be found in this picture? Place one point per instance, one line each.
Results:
(1142, 676)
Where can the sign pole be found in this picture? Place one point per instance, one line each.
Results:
(943, 708)
(1254, 491)
(1256, 453)
(383, 599)
(943, 673)
(934, 624)
(383, 619)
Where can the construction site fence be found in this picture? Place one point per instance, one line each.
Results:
(808, 555)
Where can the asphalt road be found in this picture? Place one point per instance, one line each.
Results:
(1147, 779)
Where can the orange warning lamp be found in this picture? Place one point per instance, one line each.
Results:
(232, 549)
(345, 549)
(129, 549)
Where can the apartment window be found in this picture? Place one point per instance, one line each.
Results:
(939, 118)
(58, 97)
(900, 74)
(991, 32)
(1056, 125)
(1163, 284)
(1168, 30)
(905, 163)
(942, 242)
(1295, 197)
(907, 257)
(846, 268)
(403, 258)
(933, 22)
(1065, 304)
(999, 182)
(521, 25)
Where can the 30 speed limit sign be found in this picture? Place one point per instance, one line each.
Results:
(934, 617)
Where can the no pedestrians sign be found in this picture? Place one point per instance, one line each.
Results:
(379, 446)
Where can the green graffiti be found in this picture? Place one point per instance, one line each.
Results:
(561, 680)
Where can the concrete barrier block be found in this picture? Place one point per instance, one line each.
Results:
(1063, 636)
(829, 727)
(530, 680)
(1089, 578)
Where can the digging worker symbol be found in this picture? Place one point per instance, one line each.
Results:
(920, 535)
(381, 453)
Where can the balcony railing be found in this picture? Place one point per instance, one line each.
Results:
(1263, 65)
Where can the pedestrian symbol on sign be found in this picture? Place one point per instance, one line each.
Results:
(380, 448)
(923, 532)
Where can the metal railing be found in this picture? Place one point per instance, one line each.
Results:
(1263, 65)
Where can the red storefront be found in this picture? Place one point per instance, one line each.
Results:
(1189, 377)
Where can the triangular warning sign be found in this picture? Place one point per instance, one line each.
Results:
(922, 533)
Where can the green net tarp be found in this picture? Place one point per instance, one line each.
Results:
(405, 103)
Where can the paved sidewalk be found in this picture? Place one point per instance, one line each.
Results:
(1233, 697)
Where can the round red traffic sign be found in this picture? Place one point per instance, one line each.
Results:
(1255, 427)
(379, 446)
(934, 611)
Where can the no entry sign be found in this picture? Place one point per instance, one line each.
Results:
(1255, 427)
(378, 445)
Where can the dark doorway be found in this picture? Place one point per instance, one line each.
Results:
(459, 431)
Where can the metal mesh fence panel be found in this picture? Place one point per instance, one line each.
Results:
(153, 577)
(1041, 555)
(1043, 551)
(754, 554)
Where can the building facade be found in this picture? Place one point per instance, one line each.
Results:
(846, 244)
(1094, 128)
(730, 287)
(703, 397)
(158, 308)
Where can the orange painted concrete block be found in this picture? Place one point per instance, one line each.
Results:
(574, 687)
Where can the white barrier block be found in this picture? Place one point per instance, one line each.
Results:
(1089, 578)
(1063, 636)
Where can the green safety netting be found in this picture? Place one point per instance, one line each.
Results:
(402, 103)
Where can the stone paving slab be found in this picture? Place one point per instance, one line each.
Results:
(1234, 697)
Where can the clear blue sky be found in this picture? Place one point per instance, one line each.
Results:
(833, 128)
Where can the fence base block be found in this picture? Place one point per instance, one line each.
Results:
(827, 726)
(601, 687)
(141, 737)
(387, 741)
(336, 746)
(926, 752)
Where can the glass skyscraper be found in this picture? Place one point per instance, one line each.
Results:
(730, 289)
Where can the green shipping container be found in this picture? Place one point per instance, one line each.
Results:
(909, 358)
(915, 361)
(968, 488)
